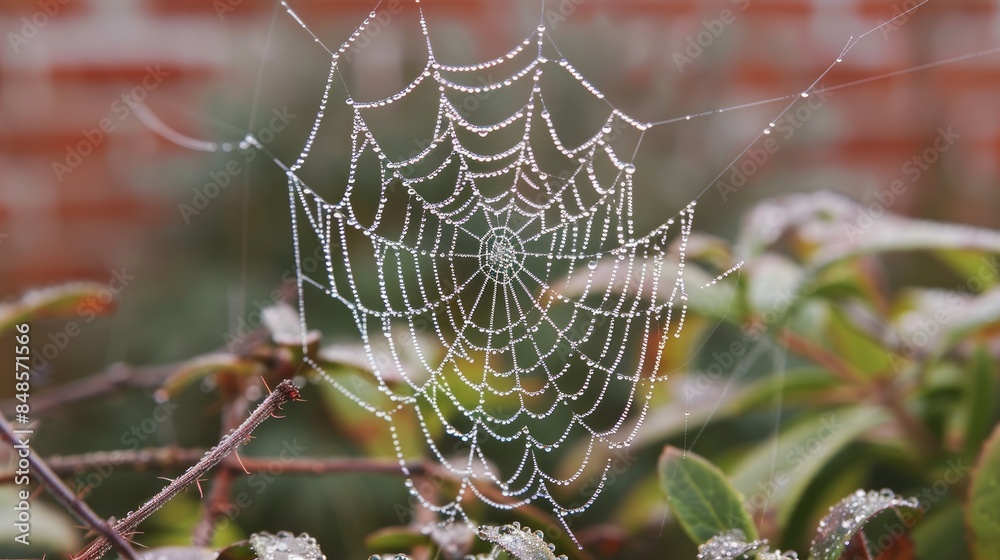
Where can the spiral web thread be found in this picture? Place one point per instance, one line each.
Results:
(541, 294)
(513, 254)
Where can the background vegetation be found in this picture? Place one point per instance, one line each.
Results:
(856, 349)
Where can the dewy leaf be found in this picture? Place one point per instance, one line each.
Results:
(850, 516)
(285, 546)
(981, 312)
(982, 513)
(237, 551)
(203, 366)
(285, 326)
(824, 229)
(733, 545)
(701, 497)
(454, 540)
(521, 543)
(57, 301)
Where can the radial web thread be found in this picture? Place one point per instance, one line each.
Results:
(528, 299)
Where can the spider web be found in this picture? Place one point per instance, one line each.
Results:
(516, 308)
(526, 330)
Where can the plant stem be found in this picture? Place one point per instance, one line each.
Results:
(217, 499)
(117, 377)
(64, 494)
(171, 458)
(885, 393)
(284, 392)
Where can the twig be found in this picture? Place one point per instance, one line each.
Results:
(284, 392)
(64, 494)
(308, 465)
(118, 376)
(916, 429)
(218, 496)
(172, 458)
(885, 394)
(805, 347)
(156, 458)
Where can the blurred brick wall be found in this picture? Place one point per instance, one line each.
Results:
(62, 77)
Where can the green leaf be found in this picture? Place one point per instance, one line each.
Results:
(797, 384)
(776, 476)
(701, 497)
(854, 345)
(64, 300)
(852, 514)
(196, 369)
(939, 535)
(237, 551)
(733, 545)
(970, 264)
(395, 539)
(982, 513)
(773, 283)
(175, 522)
(714, 301)
(981, 387)
(980, 312)
(52, 531)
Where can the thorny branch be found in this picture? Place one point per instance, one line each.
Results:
(284, 392)
(66, 496)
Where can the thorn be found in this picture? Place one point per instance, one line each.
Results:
(197, 482)
(240, 461)
(165, 478)
(265, 385)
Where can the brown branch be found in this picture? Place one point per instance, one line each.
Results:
(917, 430)
(821, 356)
(158, 459)
(233, 414)
(64, 494)
(216, 503)
(154, 458)
(117, 377)
(173, 458)
(284, 392)
(883, 392)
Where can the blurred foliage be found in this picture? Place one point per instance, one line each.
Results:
(816, 370)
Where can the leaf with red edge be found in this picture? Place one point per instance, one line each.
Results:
(64, 300)
(852, 515)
